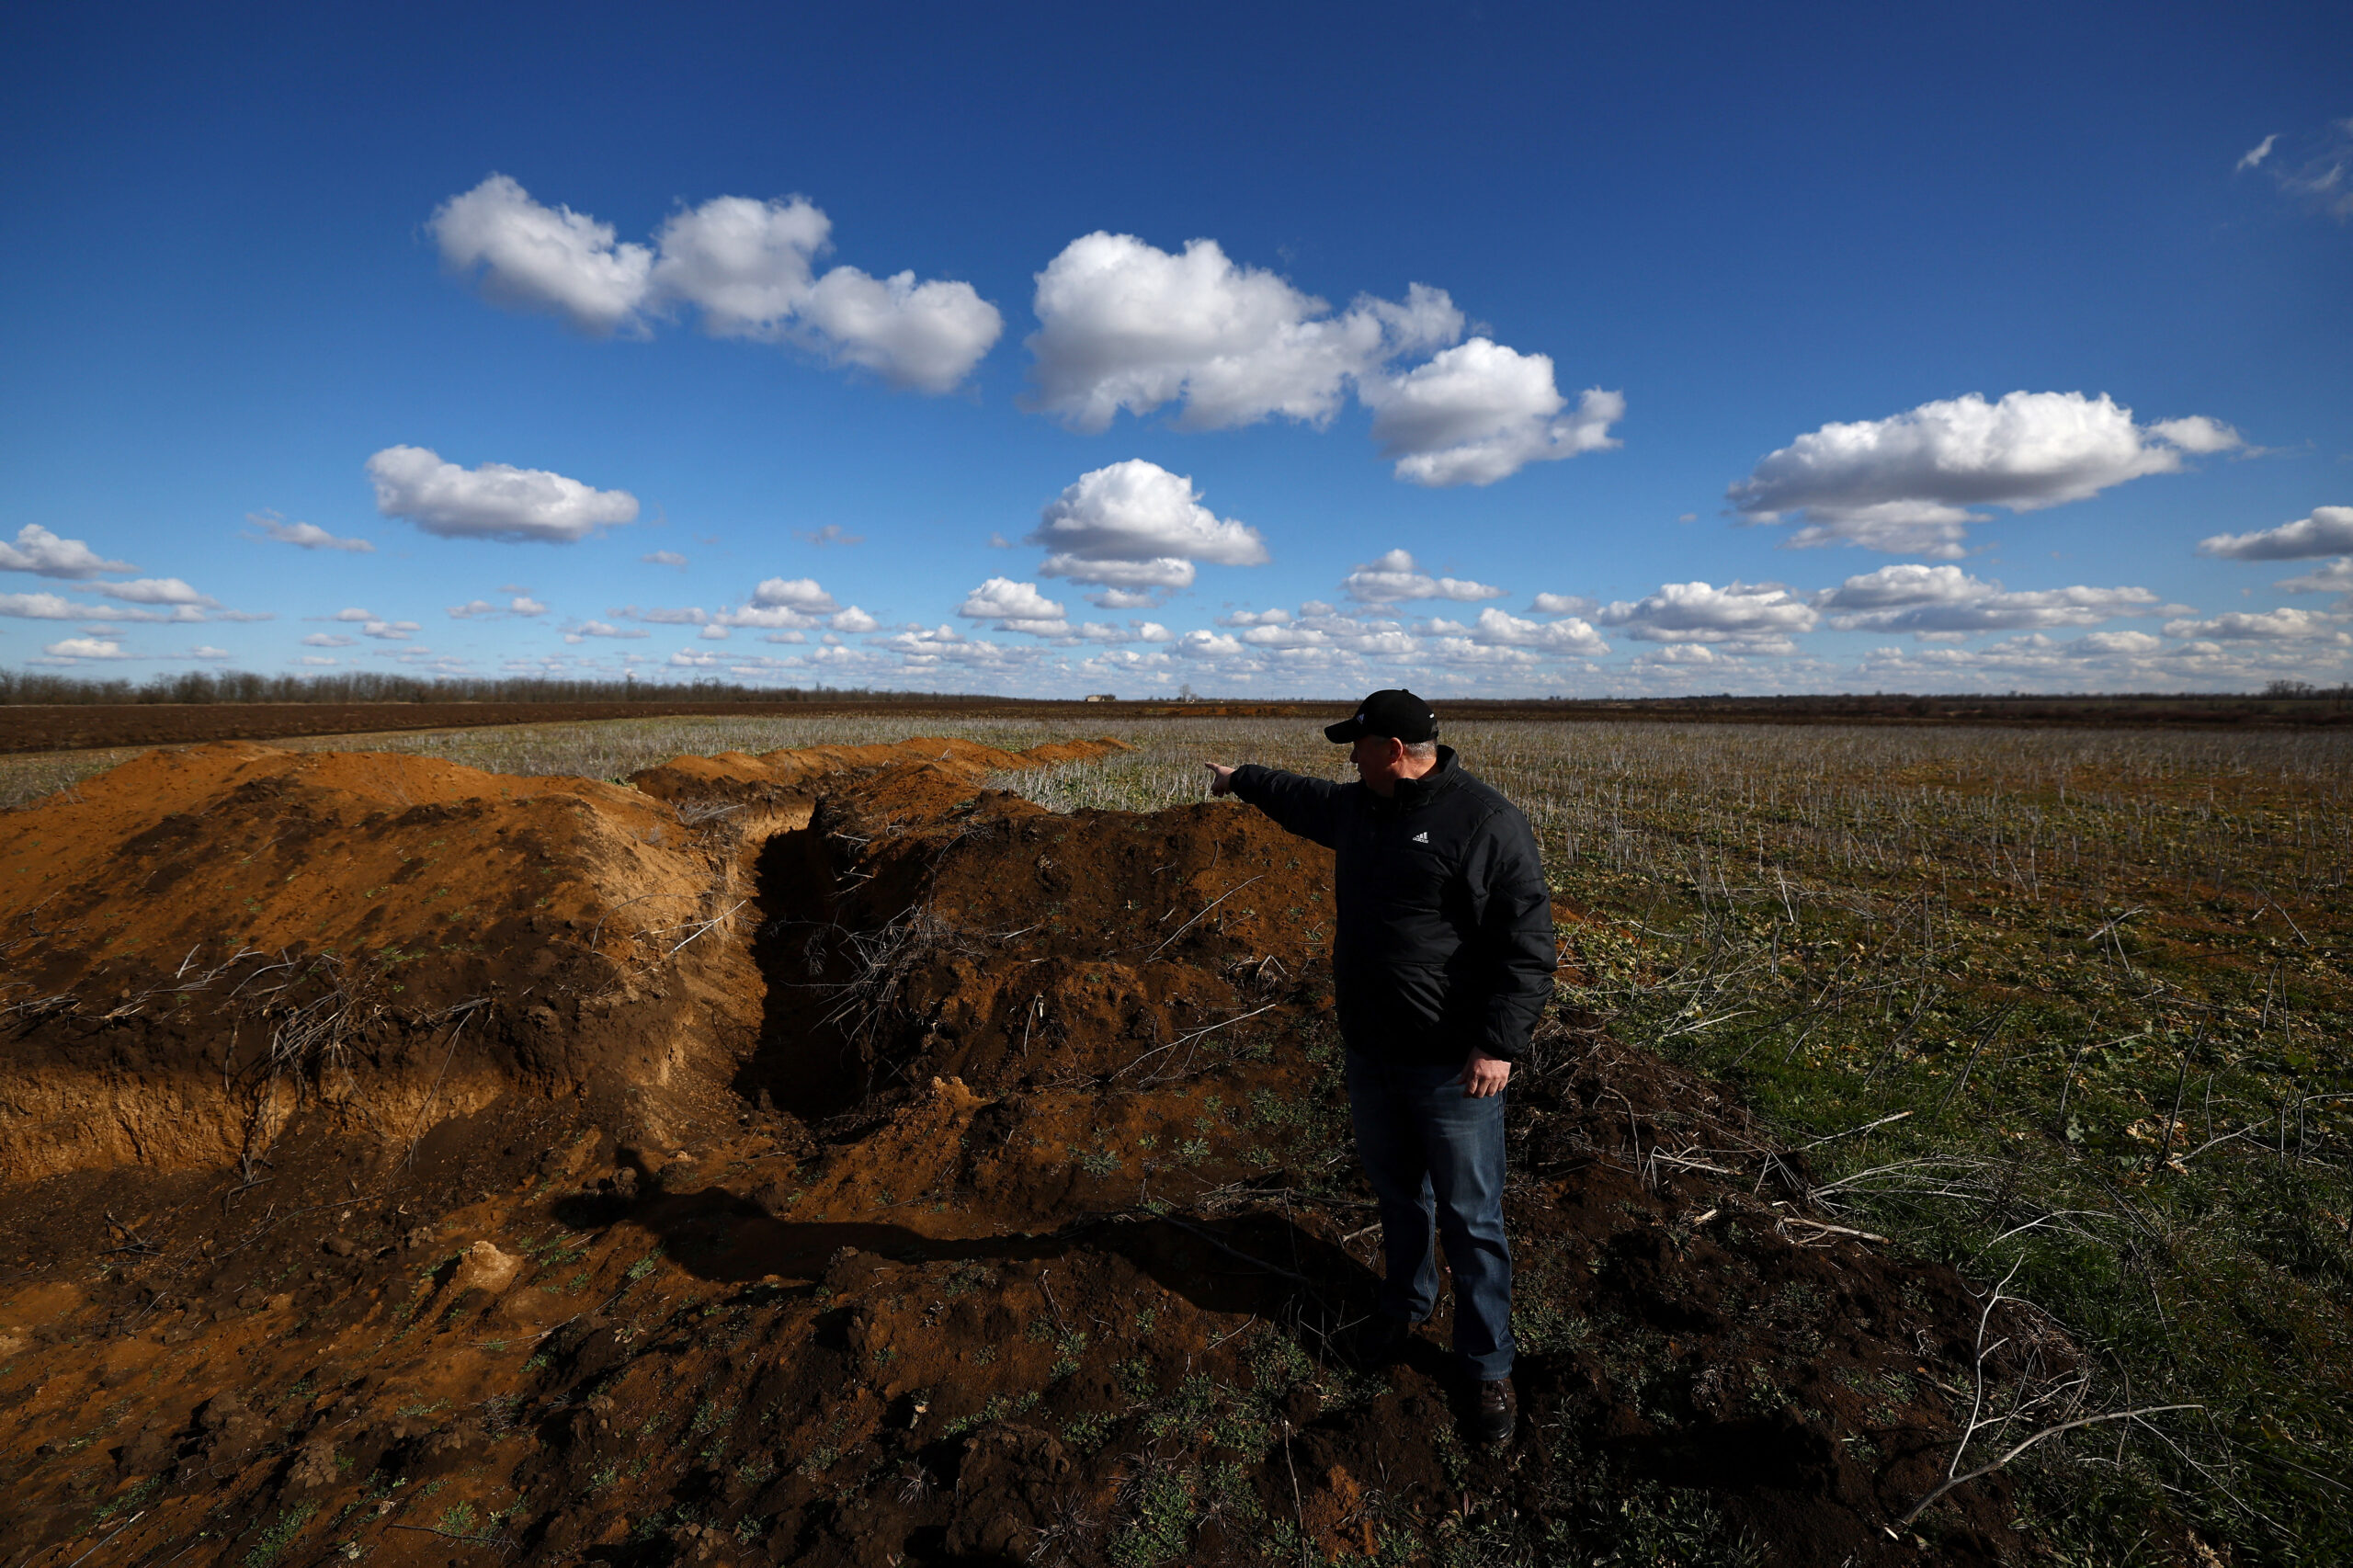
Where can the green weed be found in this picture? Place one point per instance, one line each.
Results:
(279, 1536)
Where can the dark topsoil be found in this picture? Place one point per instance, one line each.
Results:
(1021, 1229)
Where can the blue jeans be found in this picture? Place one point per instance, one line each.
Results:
(1436, 1159)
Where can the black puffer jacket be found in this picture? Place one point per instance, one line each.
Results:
(1446, 925)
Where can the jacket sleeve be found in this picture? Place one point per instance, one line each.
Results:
(1516, 953)
(1308, 807)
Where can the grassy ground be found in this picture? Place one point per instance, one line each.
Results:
(2101, 978)
(2104, 979)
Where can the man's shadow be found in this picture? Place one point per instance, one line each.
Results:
(1254, 1263)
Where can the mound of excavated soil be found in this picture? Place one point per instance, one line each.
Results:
(734, 775)
(818, 1157)
(199, 940)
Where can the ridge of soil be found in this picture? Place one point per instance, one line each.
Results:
(820, 1157)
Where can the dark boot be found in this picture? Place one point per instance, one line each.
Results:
(1495, 1412)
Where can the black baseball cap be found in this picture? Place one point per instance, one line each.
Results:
(1399, 714)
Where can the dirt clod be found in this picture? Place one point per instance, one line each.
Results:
(483, 1267)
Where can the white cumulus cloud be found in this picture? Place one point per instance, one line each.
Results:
(2134, 644)
(1468, 652)
(544, 258)
(41, 552)
(924, 648)
(1481, 412)
(474, 609)
(309, 536)
(746, 263)
(87, 648)
(747, 266)
(1494, 629)
(2115, 660)
(1741, 618)
(2325, 530)
(1016, 607)
(1125, 325)
(1135, 526)
(46, 606)
(1127, 599)
(326, 640)
(2197, 435)
(854, 620)
(801, 593)
(1395, 579)
(156, 591)
(493, 501)
(1907, 482)
(1203, 644)
(2267, 625)
(1279, 634)
(1931, 601)
(56, 606)
(2337, 578)
(1683, 656)
(927, 336)
(588, 628)
(794, 603)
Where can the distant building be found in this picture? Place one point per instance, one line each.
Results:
(1104, 697)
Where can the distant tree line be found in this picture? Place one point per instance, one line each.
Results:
(22, 688)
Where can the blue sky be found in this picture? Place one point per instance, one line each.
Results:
(1048, 349)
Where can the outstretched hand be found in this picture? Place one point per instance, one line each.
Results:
(1221, 779)
(1483, 1075)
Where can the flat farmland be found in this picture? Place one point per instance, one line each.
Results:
(1941, 1139)
(2090, 992)
(78, 726)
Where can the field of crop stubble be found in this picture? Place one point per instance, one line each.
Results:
(2068, 1009)
(2089, 993)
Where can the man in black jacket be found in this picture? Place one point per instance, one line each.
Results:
(1443, 960)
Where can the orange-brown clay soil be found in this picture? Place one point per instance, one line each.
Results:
(818, 1158)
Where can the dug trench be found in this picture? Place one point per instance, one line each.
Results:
(825, 1158)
